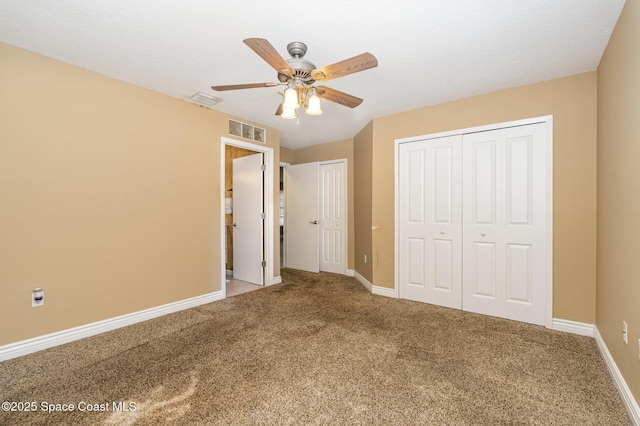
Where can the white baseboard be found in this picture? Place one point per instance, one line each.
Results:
(277, 280)
(573, 327)
(383, 291)
(380, 291)
(24, 347)
(627, 397)
(350, 273)
(362, 280)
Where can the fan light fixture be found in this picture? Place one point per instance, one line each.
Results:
(290, 99)
(300, 94)
(313, 107)
(298, 75)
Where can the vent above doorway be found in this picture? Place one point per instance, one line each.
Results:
(247, 131)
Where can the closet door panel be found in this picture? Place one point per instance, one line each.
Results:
(430, 190)
(504, 206)
(482, 259)
(525, 227)
(412, 238)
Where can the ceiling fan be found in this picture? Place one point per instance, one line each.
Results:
(300, 75)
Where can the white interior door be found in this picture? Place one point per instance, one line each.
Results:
(333, 220)
(302, 217)
(504, 229)
(430, 218)
(248, 222)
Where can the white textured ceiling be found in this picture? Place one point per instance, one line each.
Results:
(429, 51)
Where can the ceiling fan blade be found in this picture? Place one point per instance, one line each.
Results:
(243, 86)
(279, 110)
(358, 63)
(339, 97)
(266, 51)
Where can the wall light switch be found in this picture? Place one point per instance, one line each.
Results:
(37, 297)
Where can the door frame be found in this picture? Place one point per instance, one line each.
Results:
(268, 207)
(548, 121)
(283, 244)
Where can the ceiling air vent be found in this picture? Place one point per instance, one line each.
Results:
(204, 99)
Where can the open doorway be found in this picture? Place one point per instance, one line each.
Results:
(258, 235)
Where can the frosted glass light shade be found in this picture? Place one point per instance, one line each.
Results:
(288, 113)
(314, 105)
(290, 99)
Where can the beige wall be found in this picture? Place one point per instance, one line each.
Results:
(572, 102)
(109, 196)
(618, 279)
(286, 155)
(335, 151)
(362, 158)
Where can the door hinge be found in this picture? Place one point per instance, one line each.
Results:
(263, 215)
(264, 263)
(263, 167)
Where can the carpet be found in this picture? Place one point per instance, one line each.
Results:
(316, 349)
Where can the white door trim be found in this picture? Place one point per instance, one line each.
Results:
(283, 245)
(268, 196)
(548, 120)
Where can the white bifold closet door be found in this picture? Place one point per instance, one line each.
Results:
(472, 222)
(504, 223)
(430, 215)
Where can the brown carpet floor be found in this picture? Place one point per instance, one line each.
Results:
(318, 349)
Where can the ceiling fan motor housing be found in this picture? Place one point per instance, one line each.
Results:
(302, 68)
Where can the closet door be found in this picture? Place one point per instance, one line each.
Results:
(333, 220)
(504, 223)
(430, 221)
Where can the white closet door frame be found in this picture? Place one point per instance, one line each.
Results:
(548, 120)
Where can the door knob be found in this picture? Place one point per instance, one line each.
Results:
(442, 232)
(314, 222)
(484, 234)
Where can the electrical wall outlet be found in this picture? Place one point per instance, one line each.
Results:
(365, 258)
(625, 333)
